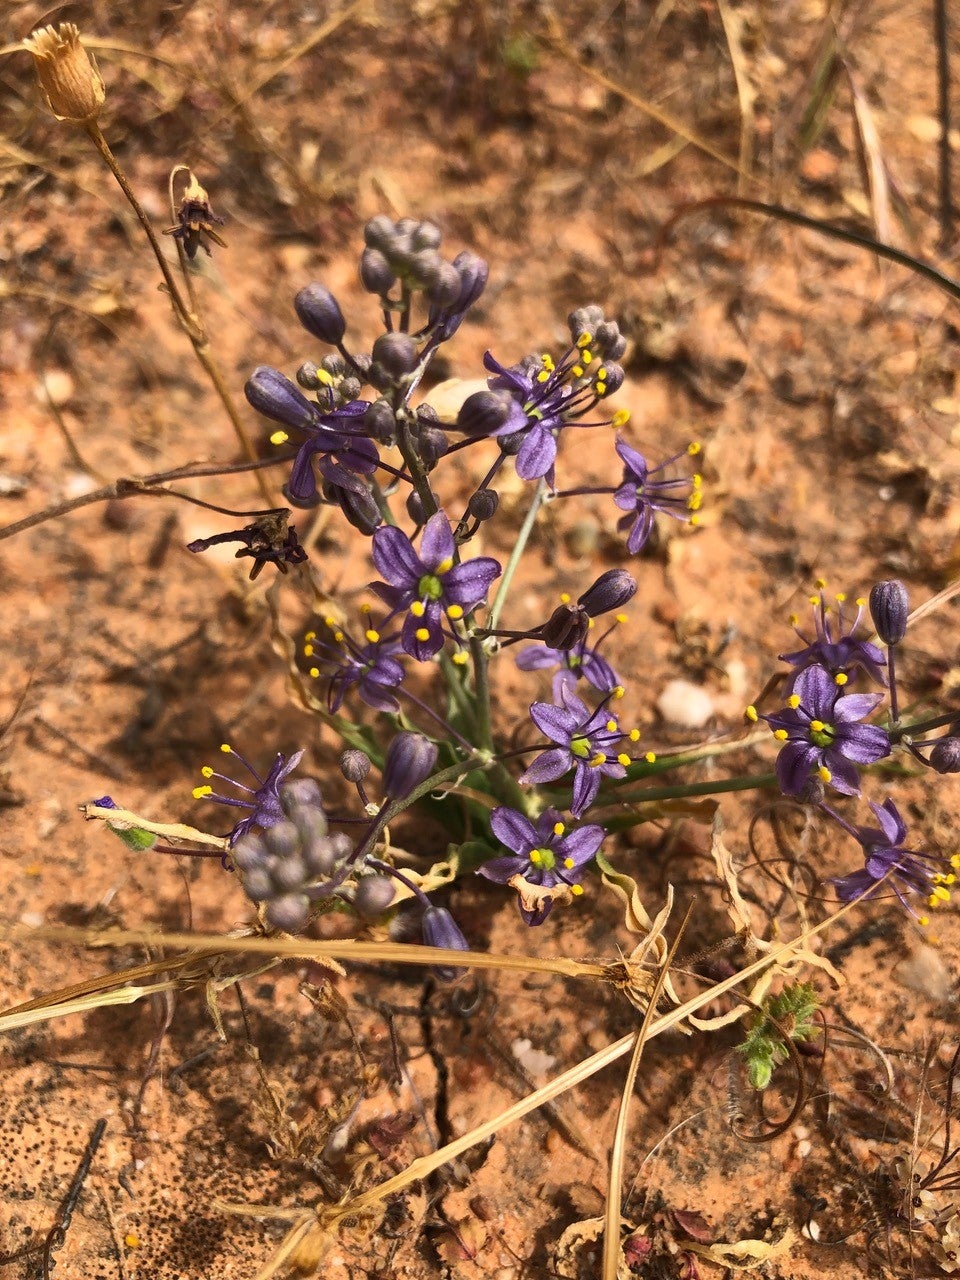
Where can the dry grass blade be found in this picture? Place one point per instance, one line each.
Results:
(733, 24)
(877, 182)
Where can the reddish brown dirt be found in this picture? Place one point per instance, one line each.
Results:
(823, 385)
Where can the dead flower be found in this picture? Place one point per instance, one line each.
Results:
(195, 220)
(68, 76)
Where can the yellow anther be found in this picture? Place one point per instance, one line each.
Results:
(794, 619)
(597, 760)
(618, 617)
(366, 608)
(339, 637)
(624, 759)
(650, 757)
(821, 585)
(584, 340)
(314, 673)
(861, 602)
(279, 437)
(932, 902)
(536, 856)
(308, 650)
(814, 599)
(617, 692)
(824, 773)
(695, 501)
(601, 388)
(547, 361)
(558, 828)
(611, 726)
(634, 735)
(793, 701)
(601, 373)
(840, 679)
(372, 636)
(591, 623)
(455, 612)
(418, 608)
(445, 565)
(693, 448)
(781, 735)
(543, 376)
(923, 921)
(564, 597)
(841, 597)
(199, 793)
(460, 658)
(950, 879)
(577, 370)
(955, 862)
(311, 635)
(206, 772)
(694, 521)
(422, 634)
(587, 356)
(324, 378)
(817, 726)
(941, 894)
(226, 748)
(569, 863)
(576, 890)
(620, 418)
(752, 714)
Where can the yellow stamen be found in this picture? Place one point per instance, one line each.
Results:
(206, 772)
(619, 617)
(840, 679)
(824, 773)
(817, 726)
(624, 759)
(279, 437)
(820, 584)
(617, 692)
(543, 376)
(460, 658)
(586, 357)
(597, 760)
(558, 828)
(455, 612)
(577, 370)
(422, 634)
(536, 856)
(781, 735)
(650, 757)
(310, 635)
(611, 726)
(576, 890)
(418, 608)
(793, 701)
(584, 340)
(634, 735)
(226, 748)
(923, 921)
(308, 650)
(752, 714)
(445, 565)
(568, 863)
(200, 793)
(314, 673)
(372, 636)
(564, 597)
(620, 418)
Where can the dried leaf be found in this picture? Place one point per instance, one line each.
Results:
(578, 1234)
(746, 1255)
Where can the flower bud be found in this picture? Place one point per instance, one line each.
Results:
(276, 397)
(378, 232)
(431, 445)
(258, 884)
(484, 412)
(812, 791)
(614, 379)
(301, 793)
(427, 236)
(611, 591)
(414, 505)
(320, 314)
(411, 758)
(441, 930)
(380, 422)
(289, 912)
(424, 270)
(373, 895)
(945, 755)
(282, 840)
(483, 504)
(473, 272)
(566, 628)
(289, 874)
(308, 376)
(354, 765)
(889, 607)
(249, 852)
(446, 287)
(68, 76)
(376, 274)
(358, 505)
(585, 320)
(396, 353)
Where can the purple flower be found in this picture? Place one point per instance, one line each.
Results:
(821, 732)
(586, 742)
(429, 585)
(908, 872)
(371, 666)
(546, 862)
(574, 664)
(334, 431)
(641, 497)
(836, 646)
(264, 802)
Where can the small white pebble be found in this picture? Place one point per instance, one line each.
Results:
(32, 919)
(688, 705)
(533, 1060)
(925, 972)
(59, 387)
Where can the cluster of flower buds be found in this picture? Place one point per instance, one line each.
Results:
(407, 252)
(278, 864)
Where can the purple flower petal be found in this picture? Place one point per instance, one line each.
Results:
(468, 583)
(586, 784)
(863, 743)
(557, 723)
(582, 843)
(537, 454)
(501, 870)
(855, 706)
(513, 830)
(395, 558)
(794, 765)
(843, 775)
(436, 544)
(547, 767)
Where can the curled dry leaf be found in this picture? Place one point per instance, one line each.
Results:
(745, 1255)
(568, 1262)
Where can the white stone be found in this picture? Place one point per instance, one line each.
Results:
(688, 705)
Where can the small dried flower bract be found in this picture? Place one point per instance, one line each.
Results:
(69, 80)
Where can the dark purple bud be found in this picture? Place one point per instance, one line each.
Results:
(565, 628)
(320, 314)
(407, 227)
(359, 507)
(307, 376)
(427, 236)
(396, 354)
(446, 287)
(483, 413)
(611, 591)
(289, 874)
(320, 853)
(376, 274)
(614, 379)
(585, 320)
(415, 509)
(379, 231)
(282, 840)
(473, 272)
(483, 504)
(373, 895)
(354, 765)
(380, 422)
(411, 758)
(334, 364)
(258, 884)
(424, 269)
(441, 930)
(608, 341)
(303, 504)
(278, 398)
(289, 912)
(249, 852)
(945, 755)
(301, 793)
(889, 607)
(432, 445)
(512, 443)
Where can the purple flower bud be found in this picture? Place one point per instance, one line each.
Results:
(373, 895)
(432, 446)
(474, 272)
(483, 504)
(414, 505)
(278, 398)
(301, 793)
(289, 912)
(566, 628)
(379, 232)
(425, 268)
(483, 413)
(354, 765)
(945, 755)
(376, 274)
(395, 353)
(446, 288)
(427, 236)
(249, 852)
(320, 314)
(611, 591)
(282, 840)
(615, 377)
(889, 607)
(441, 930)
(411, 758)
(358, 505)
(381, 422)
(308, 376)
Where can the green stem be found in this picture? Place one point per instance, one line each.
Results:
(481, 684)
(758, 782)
(518, 549)
(647, 768)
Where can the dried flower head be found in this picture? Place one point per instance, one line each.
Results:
(195, 221)
(68, 76)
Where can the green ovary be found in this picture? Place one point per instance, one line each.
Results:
(823, 737)
(580, 747)
(429, 587)
(543, 859)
